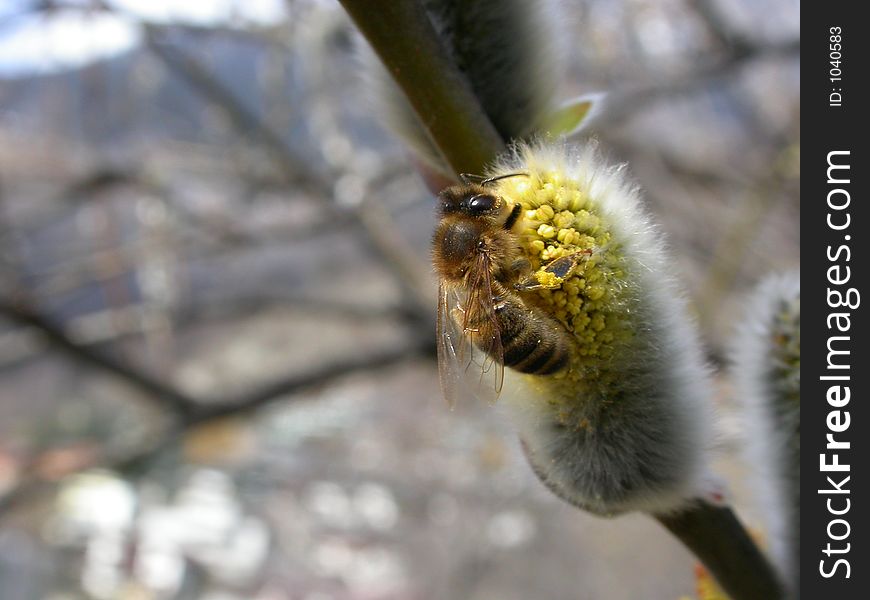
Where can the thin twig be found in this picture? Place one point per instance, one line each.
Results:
(295, 169)
(167, 396)
(363, 361)
(720, 541)
(719, 27)
(90, 330)
(292, 167)
(191, 412)
(279, 391)
(403, 36)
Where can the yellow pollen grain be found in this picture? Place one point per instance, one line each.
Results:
(585, 221)
(545, 213)
(547, 231)
(563, 220)
(567, 236)
(578, 201)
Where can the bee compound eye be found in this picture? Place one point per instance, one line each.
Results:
(481, 204)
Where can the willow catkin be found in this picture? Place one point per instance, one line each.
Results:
(628, 425)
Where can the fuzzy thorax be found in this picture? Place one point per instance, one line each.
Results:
(625, 427)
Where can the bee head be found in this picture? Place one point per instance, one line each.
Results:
(470, 201)
(474, 221)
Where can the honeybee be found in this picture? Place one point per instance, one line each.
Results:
(483, 322)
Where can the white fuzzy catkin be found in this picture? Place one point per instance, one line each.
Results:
(766, 376)
(647, 447)
(510, 52)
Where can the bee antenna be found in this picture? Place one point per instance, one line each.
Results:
(467, 178)
(500, 177)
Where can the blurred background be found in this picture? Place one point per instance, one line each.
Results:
(217, 374)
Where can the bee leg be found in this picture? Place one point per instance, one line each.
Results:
(554, 274)
(521, 266)
(498, 300)
(518, 269)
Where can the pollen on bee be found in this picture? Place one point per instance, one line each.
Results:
(547, 279)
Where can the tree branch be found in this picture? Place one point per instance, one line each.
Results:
(163, 394)
(719, 540)
(403, 36)
(210, 412)
(363, 361)
(719, 27)
(191, 412)
(244, 119)
(375, 231)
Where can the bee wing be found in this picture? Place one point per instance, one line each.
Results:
(450, 344)
(481, 327)
(470, 354)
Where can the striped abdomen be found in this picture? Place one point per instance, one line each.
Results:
(532, 342)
